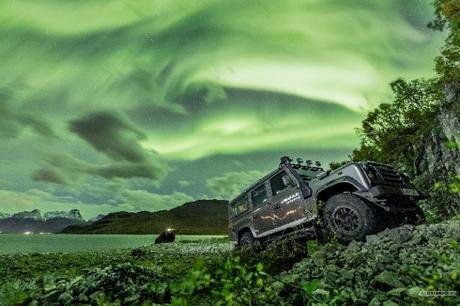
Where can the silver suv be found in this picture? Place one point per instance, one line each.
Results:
(302, 200)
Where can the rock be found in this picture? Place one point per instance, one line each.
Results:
(319, 258)
(167, 236)
(400, 234)
(388, 280)
(395, 247)
(372, 238)
(375, 272)
(331, 268)
(354, 246)
(396, 292)
(389, 303)
(414, 291)
(417, 238)
(383, 233)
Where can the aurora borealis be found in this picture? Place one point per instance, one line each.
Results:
(144, 105)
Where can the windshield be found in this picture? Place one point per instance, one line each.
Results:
(308, 173)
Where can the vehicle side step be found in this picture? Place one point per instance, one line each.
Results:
(308, 232)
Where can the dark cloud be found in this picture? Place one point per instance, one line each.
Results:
(110, 134)
(128, 170)
(115, 136)
(13, 119)
(49, 175)
(70, 167)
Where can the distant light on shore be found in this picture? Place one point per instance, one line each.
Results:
(28, 233)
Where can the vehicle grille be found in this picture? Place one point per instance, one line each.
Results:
(388, 175)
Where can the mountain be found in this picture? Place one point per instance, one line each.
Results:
(200, 217)
(73, 214)
(34, 221)
(97, 218)
(4, 215)
(33, 214)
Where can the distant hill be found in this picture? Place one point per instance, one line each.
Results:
(34, 221)
(205, 217)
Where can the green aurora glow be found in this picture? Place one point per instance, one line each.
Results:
(185, 97)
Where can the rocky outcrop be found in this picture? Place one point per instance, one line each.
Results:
(437, 165)
(396, 265)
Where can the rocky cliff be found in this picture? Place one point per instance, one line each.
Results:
(437, 164)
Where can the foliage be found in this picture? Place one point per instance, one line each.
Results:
(447, 15)
(122, 284)
(335, 165)
(232, 283)
(180, 258)
(409, 132)
(392, 131)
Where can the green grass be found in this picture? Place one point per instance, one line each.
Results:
(176, 258)
(14, 243)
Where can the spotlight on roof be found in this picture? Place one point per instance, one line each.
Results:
(285, 160)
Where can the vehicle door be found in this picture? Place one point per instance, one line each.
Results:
(262, 215)
(286, 199)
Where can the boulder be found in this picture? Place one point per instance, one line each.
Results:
(167, 236)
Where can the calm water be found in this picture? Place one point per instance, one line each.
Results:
(18, 243)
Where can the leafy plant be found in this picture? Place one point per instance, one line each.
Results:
(232, 283)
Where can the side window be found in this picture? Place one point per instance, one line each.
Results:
(242, 205)
(239, 206)
(233, 210)
(280, 182)
(259, 196)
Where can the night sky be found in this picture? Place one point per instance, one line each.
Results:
(145, 105)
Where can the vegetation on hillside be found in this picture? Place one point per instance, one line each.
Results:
(202, 217)
(398, 132)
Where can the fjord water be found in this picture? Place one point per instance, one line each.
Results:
(35, 243)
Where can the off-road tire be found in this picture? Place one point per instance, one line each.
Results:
(246, 240)
(349, 218)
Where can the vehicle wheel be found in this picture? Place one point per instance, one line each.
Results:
(349, 217)
(246, 240)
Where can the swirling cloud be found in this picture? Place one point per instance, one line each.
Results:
(190, 92)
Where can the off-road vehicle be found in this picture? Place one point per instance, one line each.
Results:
(302, 200)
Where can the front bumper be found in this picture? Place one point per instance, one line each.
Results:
(386, 192)
(393, 199)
